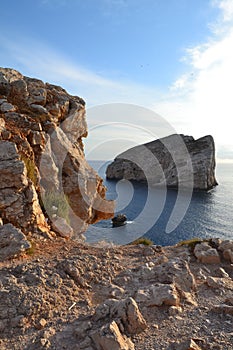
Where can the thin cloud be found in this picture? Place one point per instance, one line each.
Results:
(49, 65)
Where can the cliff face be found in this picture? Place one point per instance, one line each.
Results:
(45, 178)
(176, 160)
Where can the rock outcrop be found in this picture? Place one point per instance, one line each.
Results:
(12, 242)
(63, 298)
(176, 160)
(44, 174)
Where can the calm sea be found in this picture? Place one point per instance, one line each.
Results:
(209, 214)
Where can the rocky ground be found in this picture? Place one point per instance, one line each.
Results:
(66, 295)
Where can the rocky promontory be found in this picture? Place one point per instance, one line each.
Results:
(46, 184)
(174, 161)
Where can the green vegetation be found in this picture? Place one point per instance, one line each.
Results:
(142, 240)
(56, 203)
(31, 169)
(31, 250)
(191, 243)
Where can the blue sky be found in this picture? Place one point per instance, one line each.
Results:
(173, 57)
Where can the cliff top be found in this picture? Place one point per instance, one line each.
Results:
(73, 296)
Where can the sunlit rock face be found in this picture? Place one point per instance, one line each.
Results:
(41, 154)
(176, 160)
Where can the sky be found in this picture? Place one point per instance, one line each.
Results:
(146, 68)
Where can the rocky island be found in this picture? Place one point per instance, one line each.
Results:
(56, 292)
(175, 160)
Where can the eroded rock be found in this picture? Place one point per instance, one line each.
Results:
(126, 311)
(175, 160)
(226, 247)
(41, 152)
(110, 337)
(206, 254)
(12, 242)
(158, 295)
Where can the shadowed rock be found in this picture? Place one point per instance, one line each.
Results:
(12, 242)
(176, 160)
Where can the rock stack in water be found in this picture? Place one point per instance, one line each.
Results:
(45, 179)
(176, 160)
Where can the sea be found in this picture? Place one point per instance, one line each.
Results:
(164, 216)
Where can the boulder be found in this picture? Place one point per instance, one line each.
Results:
(110, 337)
(226, 247)
(60, 226)
(159, 294)
(206, 254)
(126, 311)
(175, 160)
(228, 255)
(12, 242)
(176, 271)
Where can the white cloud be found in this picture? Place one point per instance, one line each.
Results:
(227, 9)
(201, 99)
(36, 59)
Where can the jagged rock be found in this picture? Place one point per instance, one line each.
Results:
(228, 255)
(115, 291)
(126, 311)
(41, 151)
(175, 310)
(62, 227)
(205, 254)
(18, 198)
(12, 242)
(176, 271)
(227, 249)
(219, 283)
(158, 295)
(110, 337)
(176, 160)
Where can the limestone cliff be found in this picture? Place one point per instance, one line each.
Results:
(44, 174)
(176, 160)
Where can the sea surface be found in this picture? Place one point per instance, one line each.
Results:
(148, 210)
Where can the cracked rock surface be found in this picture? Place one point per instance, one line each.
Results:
(73, 296)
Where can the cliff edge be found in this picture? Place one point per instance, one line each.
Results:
(123, 298)
(45, 180)
(175, 160)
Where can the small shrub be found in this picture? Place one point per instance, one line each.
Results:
(142, 240)
(191, 243)
(31, 251)
(59, 200)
